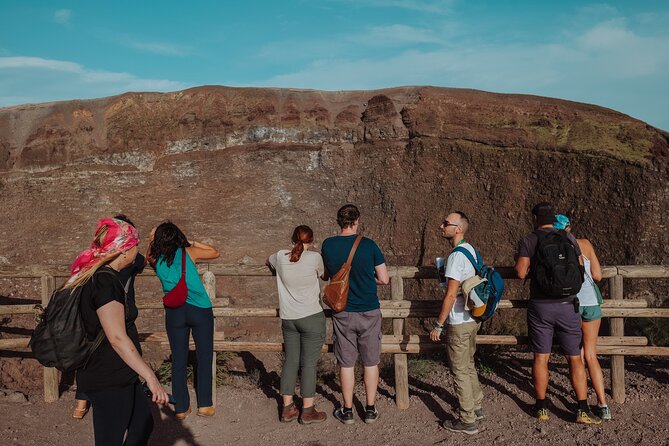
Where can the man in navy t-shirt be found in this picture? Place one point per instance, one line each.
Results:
(357, 329)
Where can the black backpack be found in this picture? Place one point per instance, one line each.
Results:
(59, 339)
(556, 272)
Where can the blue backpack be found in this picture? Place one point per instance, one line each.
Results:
(483, 291)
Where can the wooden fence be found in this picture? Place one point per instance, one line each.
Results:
(616, 308)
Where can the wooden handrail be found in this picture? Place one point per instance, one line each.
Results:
(406, 272)
(399, 344)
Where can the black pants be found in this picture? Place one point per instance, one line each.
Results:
(119, 410)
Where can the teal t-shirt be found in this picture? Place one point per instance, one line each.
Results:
(362, 294)
(170, 275)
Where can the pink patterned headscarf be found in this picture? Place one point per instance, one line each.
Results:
(120, 237)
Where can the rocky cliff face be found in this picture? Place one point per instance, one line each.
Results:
(242, 167)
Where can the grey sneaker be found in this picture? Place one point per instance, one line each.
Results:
(371, 416)
(345, 417)
(459, 426)
(479, 414)
(603, 412)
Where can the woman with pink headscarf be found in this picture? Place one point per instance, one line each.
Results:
(110, 378)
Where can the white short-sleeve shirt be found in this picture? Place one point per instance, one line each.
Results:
(458, 267)
(298, 285)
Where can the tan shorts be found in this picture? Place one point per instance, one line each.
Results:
(357, 333)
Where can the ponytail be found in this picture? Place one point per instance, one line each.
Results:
(301, 235)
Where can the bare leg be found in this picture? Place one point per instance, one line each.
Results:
(590, 333)
(577, 376)
(540, 374)
(347, 378)
(307, 402)
(287, 399)
(371, 378)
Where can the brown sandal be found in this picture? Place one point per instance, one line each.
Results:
(78, 414)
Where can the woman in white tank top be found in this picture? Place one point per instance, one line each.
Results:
(591, 316)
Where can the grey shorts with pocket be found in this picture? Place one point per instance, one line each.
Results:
(546, 319)
(357, 333)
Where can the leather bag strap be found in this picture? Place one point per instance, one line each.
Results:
(183, 262)
(352, 253)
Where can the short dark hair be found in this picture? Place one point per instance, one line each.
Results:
(544, 213)
(347, 215)
(124, 218)
(464, 219)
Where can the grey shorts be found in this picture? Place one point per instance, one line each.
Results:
(560, 319)
(357, 333)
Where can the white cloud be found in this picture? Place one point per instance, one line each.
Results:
(166, 49)
(428, 6)
(590, 67)
(395, 35)
(37, 62)
(62, 16)
(42, 80)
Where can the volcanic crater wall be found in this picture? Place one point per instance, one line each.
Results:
(240, 168)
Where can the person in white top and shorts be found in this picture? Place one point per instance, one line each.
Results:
(460, 329)
(591, 315)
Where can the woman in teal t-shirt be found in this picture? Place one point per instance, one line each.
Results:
(165, 254)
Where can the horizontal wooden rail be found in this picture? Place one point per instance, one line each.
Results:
(419, 307)
(17, 309)
(406, 272)
(616, 309)
(219, 338)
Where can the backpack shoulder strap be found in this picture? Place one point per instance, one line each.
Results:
(476, 263)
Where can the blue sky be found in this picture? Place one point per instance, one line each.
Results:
(614, 54)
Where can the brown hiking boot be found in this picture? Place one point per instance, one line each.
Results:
(289, 413)
(311, 415)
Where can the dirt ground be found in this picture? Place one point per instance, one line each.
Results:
(248, 414)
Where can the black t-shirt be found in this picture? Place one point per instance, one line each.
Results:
(129, 273)
(105, 367)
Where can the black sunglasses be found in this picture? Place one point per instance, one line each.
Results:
(446, 224)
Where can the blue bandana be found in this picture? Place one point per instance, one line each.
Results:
(561, 221)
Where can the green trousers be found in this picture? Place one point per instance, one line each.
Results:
(303, 340)
(461, 346)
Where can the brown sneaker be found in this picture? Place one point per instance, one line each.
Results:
(311, 415)
(289, 413)
(207, 411)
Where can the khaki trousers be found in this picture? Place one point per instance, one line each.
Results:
(461, 346)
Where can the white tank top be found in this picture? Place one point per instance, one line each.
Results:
(587, 296)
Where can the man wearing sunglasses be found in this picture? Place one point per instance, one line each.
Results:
(460, 329)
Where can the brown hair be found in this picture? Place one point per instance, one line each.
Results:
(347, 215)
(301, 235)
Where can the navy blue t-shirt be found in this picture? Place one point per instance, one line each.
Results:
(362, 283)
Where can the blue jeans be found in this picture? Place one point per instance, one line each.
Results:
(178, 323)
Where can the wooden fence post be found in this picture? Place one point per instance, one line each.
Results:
(617, 325)
(51, 375)
(209, 282)
(401, 363)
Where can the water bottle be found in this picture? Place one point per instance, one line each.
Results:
(441, 270)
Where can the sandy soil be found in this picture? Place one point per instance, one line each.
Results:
(248, 414)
